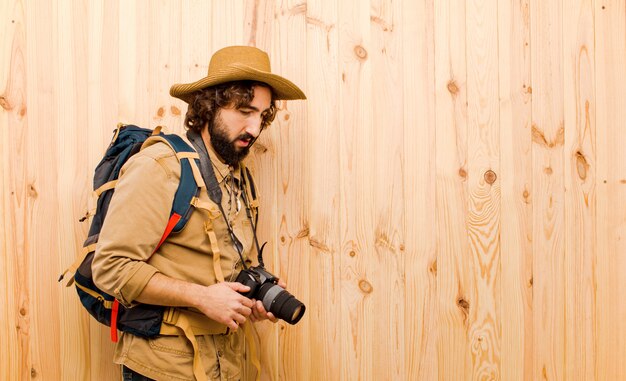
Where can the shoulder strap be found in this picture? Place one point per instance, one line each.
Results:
(213, 187)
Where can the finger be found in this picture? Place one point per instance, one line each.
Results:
(232, 325)
(239, 319)
(237, 286)
(282, 284)
(260, 308)
(245, 311)
(271, 317)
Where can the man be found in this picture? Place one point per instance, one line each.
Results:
(191, 271)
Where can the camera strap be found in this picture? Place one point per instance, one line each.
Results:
(213, 187)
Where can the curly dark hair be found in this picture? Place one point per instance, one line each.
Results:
(237, 94)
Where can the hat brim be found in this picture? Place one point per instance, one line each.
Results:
(282, 87)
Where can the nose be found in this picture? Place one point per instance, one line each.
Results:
(253, 127)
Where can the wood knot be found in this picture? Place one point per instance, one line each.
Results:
(352, 253)
(547, 170)
(463, 305)
(32, 192)
(160, 112)
(175, 110)
(365, 286)
(4, 102)
(526, 195)
(282, 239)
(452, 87)
(303, 233)
(490, 177)
(581, 165)
(33, 373)
(287, 116)
(259, 147)
(360, 52)
(23, 311)
(462, 173)
(433, 268)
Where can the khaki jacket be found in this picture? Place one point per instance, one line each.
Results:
(124, 263)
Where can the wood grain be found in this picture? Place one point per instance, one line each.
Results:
(449, 203)
(548, 134)
(580, 184)
(483, 187)
(610, 186)
(455, 285)
(516, 187)
(418, 175)
(15, 313)
(357, 193)
(324, 295)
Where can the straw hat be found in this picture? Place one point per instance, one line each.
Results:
(237, 63)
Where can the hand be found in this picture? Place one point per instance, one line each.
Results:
(223, 303)
(258, 310)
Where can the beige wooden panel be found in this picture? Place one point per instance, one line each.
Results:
(415, 261)
(455, 285)
(418, 162)
(292, 260)
(386, 258)
(516, 298)
(73, 179)
(483, 187)
(324, 295)
(14, 310)
(357, 202)
(134, 41)
(41, 216)
(548, 213)
(103, 99)
(611, 189)
(258, 26)
(580, 184)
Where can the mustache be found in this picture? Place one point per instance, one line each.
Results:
(245, 136)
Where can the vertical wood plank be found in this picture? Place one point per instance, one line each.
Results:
(580, 185)
(258, 27)
(516, 298)
(610, 90)
(548, 231)
(483, 187)
(292, 261)
(356, 146)
(41, 216)
(388, 253)
(323, 167)
(420, 262)
(134, 62)
(103, 97)
(454, 283)
(72, 177)
(14, 197)
(164, 24)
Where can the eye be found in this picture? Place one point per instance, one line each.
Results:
(245, 112)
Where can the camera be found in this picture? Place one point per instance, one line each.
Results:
(264, 287)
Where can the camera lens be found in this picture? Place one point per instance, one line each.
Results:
(281, 303)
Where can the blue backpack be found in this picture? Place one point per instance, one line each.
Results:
(143, 320)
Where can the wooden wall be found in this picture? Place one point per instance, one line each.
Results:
(450, 202)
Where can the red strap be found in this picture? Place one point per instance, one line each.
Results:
(174, 218)
(114, 309)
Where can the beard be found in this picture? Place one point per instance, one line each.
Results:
(224, 146)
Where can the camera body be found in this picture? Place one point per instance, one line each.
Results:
(264, 287)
